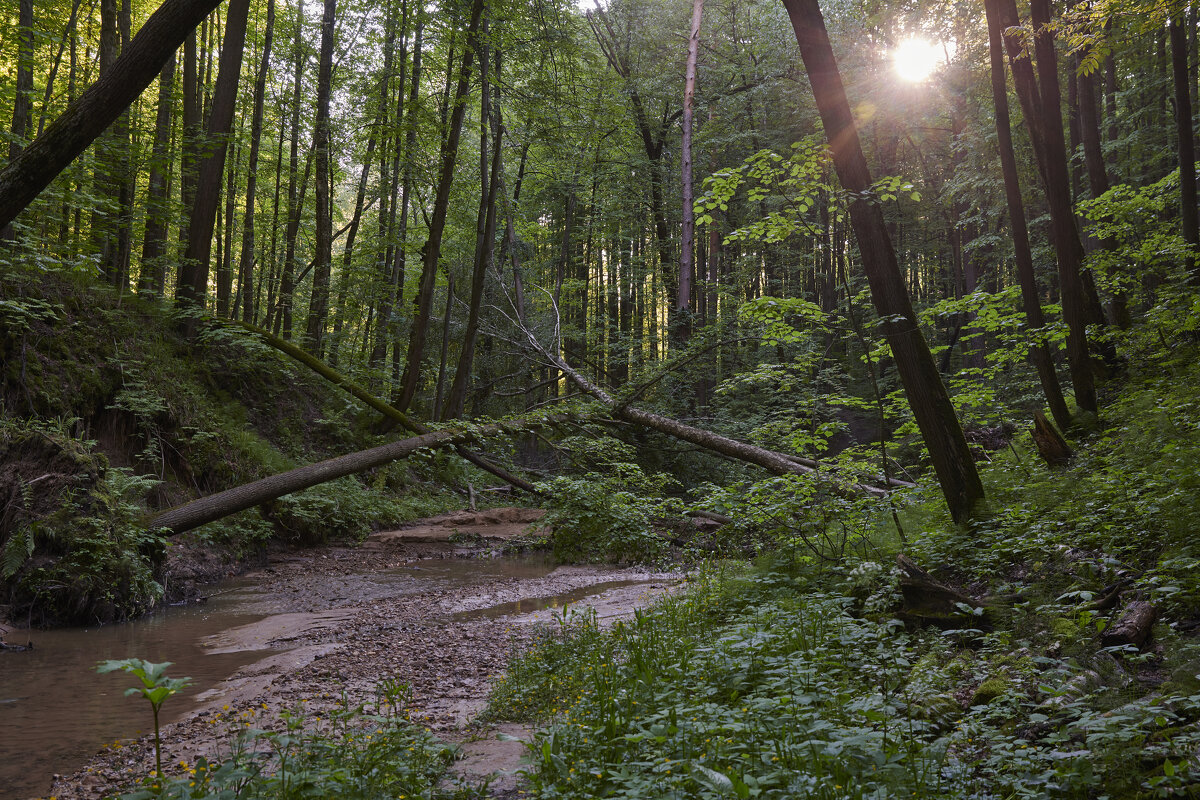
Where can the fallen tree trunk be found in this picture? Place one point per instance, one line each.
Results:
(1134, 626)
(222, 504)
(391, 412)
(777, 463)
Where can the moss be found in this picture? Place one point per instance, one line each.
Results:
(989, 690)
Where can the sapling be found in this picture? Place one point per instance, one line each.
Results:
(156, 687)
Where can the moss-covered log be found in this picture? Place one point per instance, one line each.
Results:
(392, 413)
(213, 507)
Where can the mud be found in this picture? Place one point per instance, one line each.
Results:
(337, 621)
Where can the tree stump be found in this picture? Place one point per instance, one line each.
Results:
(1052, 447)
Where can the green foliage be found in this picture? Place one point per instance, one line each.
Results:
(156, 688)
(342, 508)
(106, 558)
(601, 516)
(773, 687)
(347, 753)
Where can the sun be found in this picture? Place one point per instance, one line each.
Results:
(915, 59)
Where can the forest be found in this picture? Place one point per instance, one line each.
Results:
(863, 337)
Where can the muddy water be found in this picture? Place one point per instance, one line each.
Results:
(55, 711)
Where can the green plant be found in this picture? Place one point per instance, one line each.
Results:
(599, 516)
(156, 688)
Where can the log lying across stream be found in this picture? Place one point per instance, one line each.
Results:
(222, 504)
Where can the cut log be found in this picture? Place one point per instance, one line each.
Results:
(1052, 447)
(213, 507)
(1133, 627)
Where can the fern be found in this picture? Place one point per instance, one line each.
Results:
(17, 551)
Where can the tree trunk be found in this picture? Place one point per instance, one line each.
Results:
(208, 509)
(295, 199)
(437, 223)
(1038, 353)
(1043, 114)
(927, 396)
(683, 297)
(318, 311)
(485, 240)
(154, 267)
(193, 275)
(1189, 223)
(24, 177)
(246, 258)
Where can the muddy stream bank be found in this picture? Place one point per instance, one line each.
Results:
(417, 605)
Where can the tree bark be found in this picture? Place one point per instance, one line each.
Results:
(318, 311)
(246, 258)
(687, 246)
(154, 268)
(1030, 298)
(927, 396)
(192, 286)
(1043, 113)
(295, 204)
(485, 241)
(1189, 222)
(437, 223)
(208, 509)
(86, 118)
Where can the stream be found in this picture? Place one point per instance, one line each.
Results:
(56, 712)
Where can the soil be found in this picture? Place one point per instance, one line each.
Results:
(332, 640)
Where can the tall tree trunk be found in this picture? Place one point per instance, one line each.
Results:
(1038, 353)
(927, 396)
(106, 177)
(1043, 115)
(246, 258)
(22, 119)
(318, 311)
(444, 350)
(485, 240)
(295, 202)
(410, 137)
(192, 121)
(193, 275)
(683, 297)
(1189, 223)
(225, 265)
(360, 198)
(154, 266)
(437, 222)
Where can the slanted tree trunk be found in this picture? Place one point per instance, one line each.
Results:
(318, 311)
(207, 509)
(246, 258)
(193, 274)
(423, 302)
(1039, 354)
(24, 177)
(927, 396)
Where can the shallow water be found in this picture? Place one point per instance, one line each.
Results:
(56, 711)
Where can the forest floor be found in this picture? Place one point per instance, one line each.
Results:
(331, 645)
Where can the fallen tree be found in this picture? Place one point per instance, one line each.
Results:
(770, 460)
(216, 506)
(392, 413)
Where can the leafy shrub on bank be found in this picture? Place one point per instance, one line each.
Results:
(780, 691)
